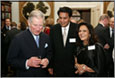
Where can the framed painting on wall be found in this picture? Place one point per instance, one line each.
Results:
(25, 9)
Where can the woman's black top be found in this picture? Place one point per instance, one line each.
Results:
(92, 56)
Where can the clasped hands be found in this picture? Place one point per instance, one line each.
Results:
(37, 62)
(83, 68)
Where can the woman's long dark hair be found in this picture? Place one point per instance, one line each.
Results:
(93, 38)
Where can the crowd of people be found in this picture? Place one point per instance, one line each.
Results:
(65, 49)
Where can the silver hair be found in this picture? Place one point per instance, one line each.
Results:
(37, 14)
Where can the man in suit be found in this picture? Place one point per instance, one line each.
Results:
(7, 26)
(103, 23)
(108, 43)
(11, 33)
(63, 39)
(9, 36)
(4, 30)
(30, 51)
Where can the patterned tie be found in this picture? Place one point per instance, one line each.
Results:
(64, 36)
(37, 41)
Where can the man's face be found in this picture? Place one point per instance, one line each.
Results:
(64, 18)
(36, 25)
(106, 22)
(112, 22)
(7, 22)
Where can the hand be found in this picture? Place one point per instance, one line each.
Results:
(83, 68)
(88, 69)
(34, 62)
(44, 62)
(106, 46)
(80, 69)
(50, 70)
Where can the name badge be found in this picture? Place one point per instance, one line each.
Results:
(72, 40)
(91, 47)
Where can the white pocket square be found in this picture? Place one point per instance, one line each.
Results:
(46, 45)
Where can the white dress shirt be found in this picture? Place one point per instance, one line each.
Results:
(67, 29)
(110, 32)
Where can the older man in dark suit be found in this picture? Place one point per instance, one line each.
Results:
(103, 23)
(30, 51)
(108, 43)
(63, 39)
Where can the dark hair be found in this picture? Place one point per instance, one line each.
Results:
(65, 9)
(22, 26)
(93, 38)
(7, 18)
(13, 24)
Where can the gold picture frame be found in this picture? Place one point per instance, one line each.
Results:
(21, 7)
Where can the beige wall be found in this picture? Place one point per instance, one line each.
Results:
(15, 12)
(96, 9)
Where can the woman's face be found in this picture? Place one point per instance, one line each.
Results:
(84, 33)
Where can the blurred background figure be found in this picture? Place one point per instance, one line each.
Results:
(48, 24)
(22, 26)
(80, 21)
(11, 33)
(103, 23)
(73, 20)
(4, 67)
(7, 40)
(7, 26)
(108, 44)
(58, 21)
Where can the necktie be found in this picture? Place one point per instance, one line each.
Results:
(64, 36)
(37, 41)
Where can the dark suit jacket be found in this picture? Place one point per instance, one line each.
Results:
(98, 31)
(6, 42)
(4, 30)
(93, 58)
(23, 47)
(10, 35)
(63, 60)
(106, 39)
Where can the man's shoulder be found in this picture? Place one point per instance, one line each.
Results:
(44, 34)
(56, 26)
(74, 25)
(22, 34)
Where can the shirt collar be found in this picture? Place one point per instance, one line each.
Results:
(33, 34)
(67, 27)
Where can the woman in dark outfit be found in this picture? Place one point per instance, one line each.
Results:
(89, 55)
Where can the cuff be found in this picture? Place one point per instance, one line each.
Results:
(27, 67)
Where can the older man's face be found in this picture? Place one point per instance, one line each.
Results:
(36, 25)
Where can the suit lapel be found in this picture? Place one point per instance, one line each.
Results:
(41, 43)
(69, 34)
(59, 35)
(30, 40)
